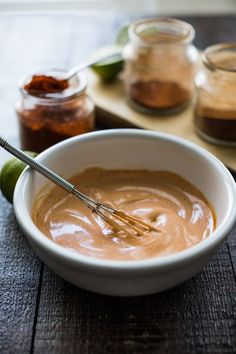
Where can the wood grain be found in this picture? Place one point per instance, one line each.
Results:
(19, 281)
(40, 313)
(196, 317)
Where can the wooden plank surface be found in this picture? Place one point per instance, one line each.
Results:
(41, 313)
(19, 284)
(196, 317)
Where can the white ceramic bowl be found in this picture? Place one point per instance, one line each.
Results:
(129, 149)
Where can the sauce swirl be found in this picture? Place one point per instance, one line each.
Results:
(163, 199)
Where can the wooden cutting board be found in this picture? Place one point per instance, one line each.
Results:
(113, 111)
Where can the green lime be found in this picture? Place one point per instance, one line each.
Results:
(122, 37)
(108, 69)
(10, 173)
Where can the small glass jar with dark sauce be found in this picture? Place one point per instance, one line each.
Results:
(51, 109)
(215, 108)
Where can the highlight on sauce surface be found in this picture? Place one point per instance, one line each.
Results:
(163, 199)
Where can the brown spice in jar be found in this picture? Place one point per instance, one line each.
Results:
(159, 94)
(219, 124)
(43, 84)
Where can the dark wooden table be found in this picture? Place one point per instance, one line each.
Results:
(39, 312)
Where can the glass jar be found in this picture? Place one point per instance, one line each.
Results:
(215, 107)
(47, 119)
(160, 65)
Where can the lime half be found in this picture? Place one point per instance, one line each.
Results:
(10, 173)
(109, 68)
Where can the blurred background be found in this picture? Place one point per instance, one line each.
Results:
(161, 7)
(39, 34)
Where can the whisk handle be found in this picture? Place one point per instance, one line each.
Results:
(36, 166)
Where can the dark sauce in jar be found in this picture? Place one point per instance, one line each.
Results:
(216, 124)
(215, 104)
(51, 110)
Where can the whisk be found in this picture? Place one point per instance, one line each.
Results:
(117, 219)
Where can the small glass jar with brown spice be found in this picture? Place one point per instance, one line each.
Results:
(215, 107)
(50, 110)
(160, 65)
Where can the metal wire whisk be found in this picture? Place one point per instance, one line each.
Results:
(117, 219)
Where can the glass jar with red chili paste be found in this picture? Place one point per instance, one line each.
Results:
(51, 109)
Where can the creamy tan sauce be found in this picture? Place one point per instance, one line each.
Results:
(162, 199)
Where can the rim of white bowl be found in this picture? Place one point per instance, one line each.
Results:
(29, 228)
